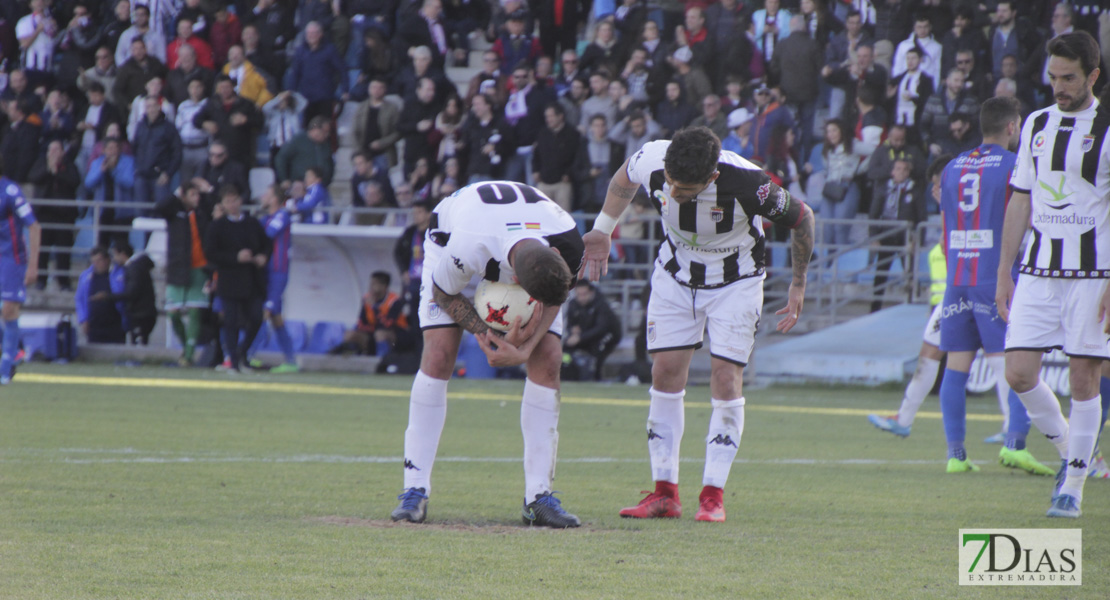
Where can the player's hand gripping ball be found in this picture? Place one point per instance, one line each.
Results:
(499, 303)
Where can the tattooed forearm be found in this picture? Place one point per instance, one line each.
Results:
(622, 192)
(801, 247)
(461, 310)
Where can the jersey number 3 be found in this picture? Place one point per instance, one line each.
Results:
(969, 192)
(507, 193)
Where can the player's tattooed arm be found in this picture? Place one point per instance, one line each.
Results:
(801, 246)
(461, 310)
(622, 191)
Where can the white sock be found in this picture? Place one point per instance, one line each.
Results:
(923, 379)
(997, 365)
(427, 412)
(666, 422)
(1044, 411)
(539, 423)
(726, 425)
(1084, 422)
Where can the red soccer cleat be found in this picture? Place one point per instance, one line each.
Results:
(654, 506)
(711, 506)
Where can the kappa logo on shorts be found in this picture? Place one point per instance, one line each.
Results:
(651, 331)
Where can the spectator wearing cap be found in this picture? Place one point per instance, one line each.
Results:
(249, 83)
(231, 119)
(425, 28)
(739, 139)
(187, 69)
(316, 72)
(712, 117)
(769, 113)
(516, 45)
(694, 80)
(796, 66)
(635, 130)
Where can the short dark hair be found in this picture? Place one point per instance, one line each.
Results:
(937, 166)
(95, 87)
(1078, 45)
(693, 155)
(996, 113)
(316, 171)
(959, 116)
(544, 274)
(230, 189)
(187, 187)
(98, 251)
(915, 50)
(318, 121)
(143, 7)
(381, 277)
(222, 78)
(557, 107)
(123, 248)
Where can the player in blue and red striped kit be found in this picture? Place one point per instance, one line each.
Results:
(974, 194)
(19, 259)
(278, 223)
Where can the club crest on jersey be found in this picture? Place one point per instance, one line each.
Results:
(1039, 143)
(1088, 143)
(717, 214)
(651, 331)
(662, 198)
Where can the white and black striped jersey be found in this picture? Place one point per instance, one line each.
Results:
(717, 238)
(480, 223)
(1064, 164)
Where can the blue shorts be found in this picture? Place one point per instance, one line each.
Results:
(274, 291)
(969, 320)
(11, 281)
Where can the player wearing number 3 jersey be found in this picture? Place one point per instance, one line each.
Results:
(1061, 186)
(507, 232)
(709, 273)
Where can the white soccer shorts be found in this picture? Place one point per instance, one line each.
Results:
(1058, 313)
(677, 316)
(932, 328)
(431, 315)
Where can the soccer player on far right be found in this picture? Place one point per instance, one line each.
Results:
(19, 267)
(1061, 186)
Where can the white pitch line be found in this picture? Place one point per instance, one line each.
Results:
(167, 458)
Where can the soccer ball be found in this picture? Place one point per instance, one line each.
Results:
(499, 303)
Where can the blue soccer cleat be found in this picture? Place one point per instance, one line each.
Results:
(998, 438)
(889, 424)
(1065, 506)
(413, 507)
(547, 511)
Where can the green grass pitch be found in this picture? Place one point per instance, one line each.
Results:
(166, 483)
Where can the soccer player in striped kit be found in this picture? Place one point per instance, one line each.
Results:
(1061, 187)
(709, 271)
(278, 222)
(19, 267)
(973, 204)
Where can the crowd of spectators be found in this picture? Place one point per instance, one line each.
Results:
(127, 100)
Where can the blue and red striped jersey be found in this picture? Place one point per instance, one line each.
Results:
(974, 194)
(15, 214)
(278, 227)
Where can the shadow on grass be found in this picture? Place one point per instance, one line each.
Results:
(488, 527)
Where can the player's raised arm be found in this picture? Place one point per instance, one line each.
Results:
(1013, 230)
(595, 260)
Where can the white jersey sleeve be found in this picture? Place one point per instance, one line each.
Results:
(645, 162)
(1025, 173)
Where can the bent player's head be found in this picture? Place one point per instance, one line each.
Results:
(690, 164)
(1072, 69)
(542, 272)
(1000, 121)
(933, 173)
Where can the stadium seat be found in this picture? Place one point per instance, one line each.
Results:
(325, 336)
(853, 265)
(260, 177)
(298, 333)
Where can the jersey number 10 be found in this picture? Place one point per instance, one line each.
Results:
(507, 193)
